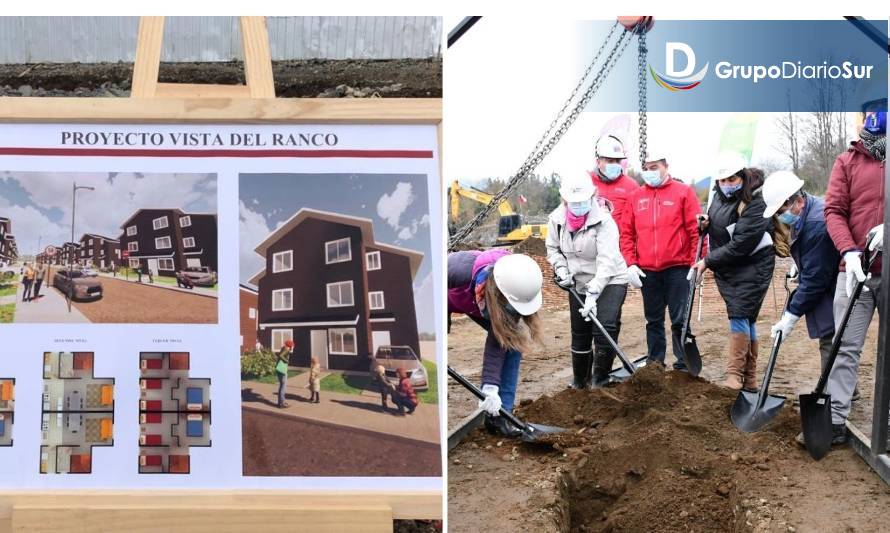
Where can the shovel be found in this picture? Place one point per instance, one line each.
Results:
(530, 432)
(691, 355)
(754, 409)
(815, 408)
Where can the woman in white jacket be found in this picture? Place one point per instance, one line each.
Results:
(582, 247)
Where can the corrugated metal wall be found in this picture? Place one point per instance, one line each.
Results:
(104, 39)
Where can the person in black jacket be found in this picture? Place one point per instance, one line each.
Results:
(742, 257)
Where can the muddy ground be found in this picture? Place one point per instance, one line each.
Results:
(668, 460)
(393, 78)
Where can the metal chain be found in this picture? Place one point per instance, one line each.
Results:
(641, 87)
(545, 144)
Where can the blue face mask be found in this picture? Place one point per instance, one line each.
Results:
(579, 208)
(730, 190)
(651, 177)
(612, 171)
(876, 123)
(788, 218)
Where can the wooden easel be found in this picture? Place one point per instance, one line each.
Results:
(214, 511)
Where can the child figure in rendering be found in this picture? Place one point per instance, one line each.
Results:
(386, 388)
(315, 381)
(281, 364)
(405, 397)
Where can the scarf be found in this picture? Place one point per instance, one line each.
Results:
(575, 222)
(875, 144)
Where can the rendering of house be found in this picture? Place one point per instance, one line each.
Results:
(8, 250)
(168, 240)
(7, 410)
(99, 251)
(335, 291)
(249, 318)
(77, 414)
(174, 413)
(68, 253)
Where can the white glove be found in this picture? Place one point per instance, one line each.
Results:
(854, 271)
(563, 277)
(492, 402)
(636, 276)
(877, 242)
(785, 325)
(589, 306)
(693, 273)
(793, 272)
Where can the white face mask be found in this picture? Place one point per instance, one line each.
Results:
(579, 208)
(652, 177)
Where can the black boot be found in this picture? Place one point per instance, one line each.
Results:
(498, 425)
(581, 363)
(602, 365)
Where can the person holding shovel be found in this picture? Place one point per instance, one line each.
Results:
(742, 257)
(854, 204)
(659, 233)
(501, 292)
(282, 360)
(582, 247)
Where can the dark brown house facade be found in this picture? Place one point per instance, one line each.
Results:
(249, 317)
(99, 251)
(8, 250)
(335, 291)
(164, 241)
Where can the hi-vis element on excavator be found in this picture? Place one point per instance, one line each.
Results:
(511, 230)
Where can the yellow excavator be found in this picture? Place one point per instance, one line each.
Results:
(511, 230)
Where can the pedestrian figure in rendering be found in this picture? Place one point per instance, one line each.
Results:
(40, 274)
(378, 373)
(281, 366)
(405, 397)
(314, 380)
(27, 282)
(139, 273)
(582, 246)
(113, 270)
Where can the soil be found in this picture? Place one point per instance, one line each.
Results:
(128, 302)
(281, 445)
(657, 453)
(393, 78)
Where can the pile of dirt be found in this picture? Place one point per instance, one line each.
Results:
(531, 246)
(656, 453)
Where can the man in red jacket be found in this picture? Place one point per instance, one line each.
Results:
(659, 233)
(854, 204)
(609, 178)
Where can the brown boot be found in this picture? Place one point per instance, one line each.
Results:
(739, 345)
(751, 368)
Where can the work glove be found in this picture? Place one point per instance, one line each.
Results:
(855, 274)
(563, 277)
(636, 276)
(492, 402)
(785, 325)
(589, 307)
(793, 272)
(693, 273)
(876, 239)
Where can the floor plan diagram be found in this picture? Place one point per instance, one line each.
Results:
(174, 413)
(77, 415)
(7, 408)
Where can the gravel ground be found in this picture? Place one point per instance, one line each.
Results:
(128, 302)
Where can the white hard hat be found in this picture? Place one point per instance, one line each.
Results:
(577, 188)
(652, 156)
(728, 164)
(777, 188)
(611, 147)
(519, 279)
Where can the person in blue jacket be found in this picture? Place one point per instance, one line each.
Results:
(815, 257)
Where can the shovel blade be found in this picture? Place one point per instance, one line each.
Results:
(692, 356)
(620, 374)
(533, 432)
(747, 417)
(815, 420)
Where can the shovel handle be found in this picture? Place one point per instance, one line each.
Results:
(690, 298)
(625, 362)
(481, 395)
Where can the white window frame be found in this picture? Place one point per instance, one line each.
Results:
(338, 284)
(169, 243)
(289, 333)
(371, 296)
(133, 246)
(131, 233)
(368, 257)
(156, 226)
(327, 247)
(333, 334)
(163, 260)
(289, 291)
(90, 242)
(90, 252)
(117, 252)
(251, 312)
(187, 240)
(288, 253)
(185, 221)
(133, 262)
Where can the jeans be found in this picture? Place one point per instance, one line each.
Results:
(36, 293)
(26, 294)
(509, 379)
(845, 372)
(608, 312)
(282, 383)
(666, 288)
(743, 326)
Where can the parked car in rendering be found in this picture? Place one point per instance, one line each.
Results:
(8, 272)
(394, 357)
(88, 272)
(201, 276)
(77, 286)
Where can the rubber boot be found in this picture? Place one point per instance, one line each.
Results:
(581, 363)
(498, 425)
(739, 345)
(602, 365)
(751, 368)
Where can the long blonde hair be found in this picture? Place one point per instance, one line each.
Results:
(512, 331)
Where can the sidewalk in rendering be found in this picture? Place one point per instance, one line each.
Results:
(51, 307)
(201, 291)
(351, 410)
